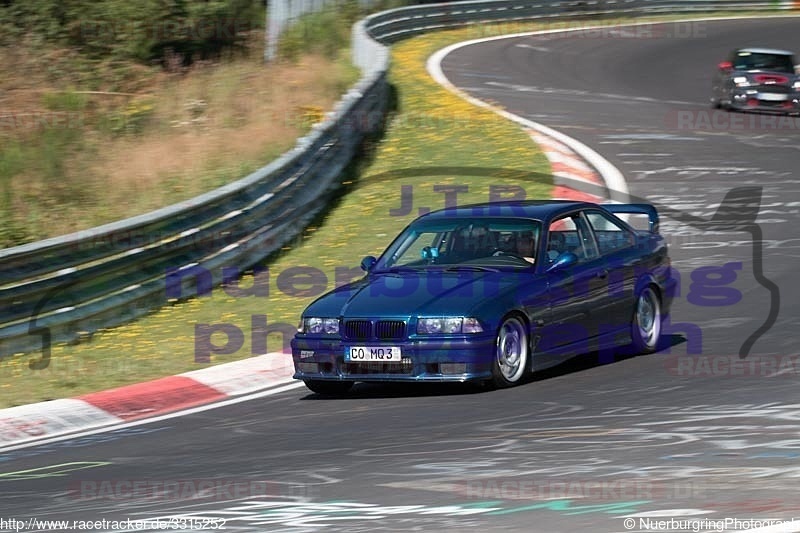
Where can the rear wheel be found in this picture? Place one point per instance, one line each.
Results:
(328, 388)
(646, 323)
(512, 353)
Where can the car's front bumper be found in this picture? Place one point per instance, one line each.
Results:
(451, 360)
(753, 100)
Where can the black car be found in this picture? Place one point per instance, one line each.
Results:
(757, 79)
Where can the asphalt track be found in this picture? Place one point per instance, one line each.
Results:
(690, 432)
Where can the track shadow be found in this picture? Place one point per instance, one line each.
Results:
(402, 390)
(665, 345)
(594, 359)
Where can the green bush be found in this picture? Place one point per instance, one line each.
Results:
(326, 31)
(65, 101)
(12, 161)
(143, 30)
(44, 153)
(132, 119)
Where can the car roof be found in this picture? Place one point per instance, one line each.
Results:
(765, 51)
(535, 209)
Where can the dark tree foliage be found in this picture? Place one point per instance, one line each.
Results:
(141, 30)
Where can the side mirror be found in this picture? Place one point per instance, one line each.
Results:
(725, 66)
(368, 262)
(562, 261)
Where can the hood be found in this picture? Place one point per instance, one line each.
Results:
(417, 293)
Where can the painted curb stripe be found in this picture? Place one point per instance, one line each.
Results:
(561, 192)
(246, 375)
(45, 419)
(153, 397)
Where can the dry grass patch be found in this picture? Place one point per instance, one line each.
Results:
(92, 157)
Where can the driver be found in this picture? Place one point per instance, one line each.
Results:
(526, 246)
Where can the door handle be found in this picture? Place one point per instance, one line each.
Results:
(602, 274)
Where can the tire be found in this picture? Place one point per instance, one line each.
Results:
(328, 388)
(646, 322)
(512, 353)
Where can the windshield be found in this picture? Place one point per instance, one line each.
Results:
(763, 61)
(464, 242)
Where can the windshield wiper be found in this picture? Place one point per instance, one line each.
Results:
(396, 270)
(474, 268)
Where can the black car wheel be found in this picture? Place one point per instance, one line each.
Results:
(328, 388)
(512, 353)
(646, 323)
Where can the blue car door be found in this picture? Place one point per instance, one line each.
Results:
(619, 257)
(575, 292)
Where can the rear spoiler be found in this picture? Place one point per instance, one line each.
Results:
(636, 209)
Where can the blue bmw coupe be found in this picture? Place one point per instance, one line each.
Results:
(490, 292)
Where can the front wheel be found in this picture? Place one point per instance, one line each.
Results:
(646, 323)
(328, 388)
(512, 352)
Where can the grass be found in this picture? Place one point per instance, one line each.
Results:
(430, 128)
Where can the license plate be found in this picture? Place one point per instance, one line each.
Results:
(383, 354)
(772, 97)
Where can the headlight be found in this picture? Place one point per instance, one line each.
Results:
(448, 325)
(320, 326)
(796, 85)
(741, 81)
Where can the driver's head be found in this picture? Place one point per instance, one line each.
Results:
(525, 244)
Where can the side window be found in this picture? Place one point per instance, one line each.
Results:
(610, 236)
(569, 234)
(561, 234)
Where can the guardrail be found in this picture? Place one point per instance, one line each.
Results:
(393, 25)
(63, 288)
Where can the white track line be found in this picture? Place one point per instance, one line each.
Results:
(613, 178)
